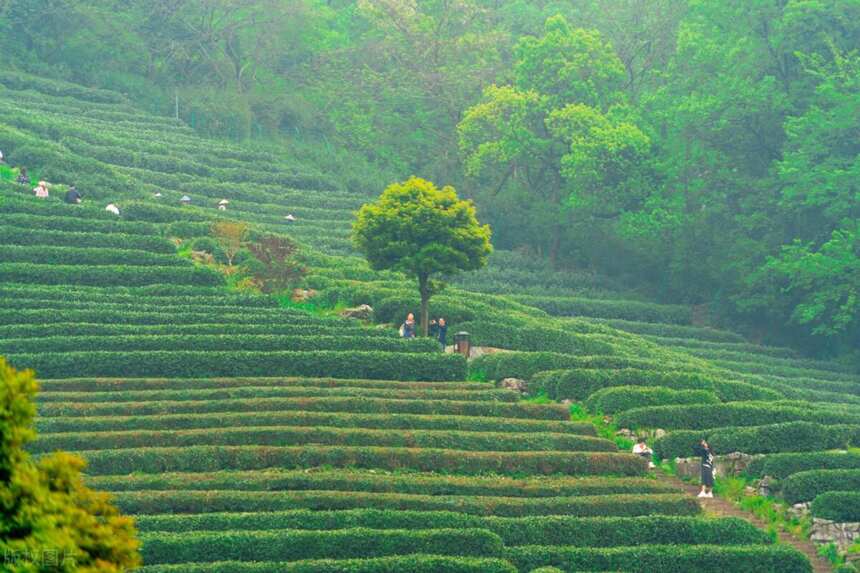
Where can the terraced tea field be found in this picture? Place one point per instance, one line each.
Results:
(249, 435)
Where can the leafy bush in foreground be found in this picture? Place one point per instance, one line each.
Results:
(620, 398)
(837, 506)
(783, 465)
(805, 486)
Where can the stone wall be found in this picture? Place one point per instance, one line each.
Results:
(843, 535)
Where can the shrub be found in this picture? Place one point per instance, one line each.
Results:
(13, 236)
(70, 255)
(772, 438)
(533, 338)
(783, 465)
(295, 545)
(805, 486)
(526, 364)
(696, 417)
(268, 413)
(383, 482)
(206, 458)
(107, 275)
(674, 331)
(623, 309)
(579, 384)
(837, 506)
(734, 391)
(209, 245)
(79, 224)
(397, 564)
(292, 436)
(620, 398)
(664, 558)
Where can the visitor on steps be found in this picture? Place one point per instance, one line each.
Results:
(407, 329)
(704, 450)
(72, 196)
(23, 178)
(641, 449)
(442, 329)
(111, 208)
(41, 190)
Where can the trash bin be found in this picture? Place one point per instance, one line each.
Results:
(462, 344)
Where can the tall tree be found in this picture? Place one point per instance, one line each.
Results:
(421, 230)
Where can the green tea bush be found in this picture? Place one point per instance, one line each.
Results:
(673, 330)
(664, 558)
(382, 482)
(837, 506)
(620, 398)
(166, 317)
(532, 337)
(735, 391)
(15, 236)
(767, 439)
(580, 383)
(699, 417)
(107, 274)
(291, 436)
(622, 309)
(259, 413)
(783, 465)
(294, 545)
(91, 329)
(194, 364)
(396, 564)
(203, 342)
(806, 486)
(209, 458)
(251, 501)
(56, 222)
(526, 364)
(46, 255)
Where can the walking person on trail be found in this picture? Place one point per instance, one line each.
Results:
(73, 197)
(407, 329)
(442, 329)
(23, 178)
(41, 190)
(704, 450)
(641, 449)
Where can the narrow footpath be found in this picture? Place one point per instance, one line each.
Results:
(719, 507)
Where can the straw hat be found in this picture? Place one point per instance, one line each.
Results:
(223, 202)
(186, 199)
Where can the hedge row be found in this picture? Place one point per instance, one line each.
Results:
(623, 309)
(532, 338)
(764, 368)
(837, 506)
(206, 342)
(673, 331)
(393, 392)
(620, 398)
(163, 305)
(580, 383)
(526, 364)
(182, 502)
(698, 417)
(107, 274)
(783, 465)
(165, 317)
(15, 236)
(295, 545)
(301, 436)
(193, 364)
(806, 486)
(383, 482)
(397, 564)
(263, 413)
(71, 255)
(768, 439)
(316, 328)
(774, 361)
(63, 297)
(664, 558)
(57, 222)
(514, 531)
(206, 458)
(685, 343)
(476, 389)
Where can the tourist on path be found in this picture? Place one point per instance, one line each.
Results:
(707, 454)
(407, 329)
(442, 329)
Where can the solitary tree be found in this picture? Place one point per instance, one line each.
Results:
(231, 236)
(423, 231)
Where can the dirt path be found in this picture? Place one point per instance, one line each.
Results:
(719, 507)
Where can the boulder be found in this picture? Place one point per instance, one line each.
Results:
(362, 312)
(688, 467)
(515, 384)
(843, 535)
(732, 464)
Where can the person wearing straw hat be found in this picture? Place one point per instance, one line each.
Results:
(112, 208)
(290, 218)
(185, 200)
(222, 204)
(41, 190)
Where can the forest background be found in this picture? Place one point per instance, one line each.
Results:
(701, 151)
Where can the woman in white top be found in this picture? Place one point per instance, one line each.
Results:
(41, 190)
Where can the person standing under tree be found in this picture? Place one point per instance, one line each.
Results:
(407, 329)
(442, 330)
(707, 454)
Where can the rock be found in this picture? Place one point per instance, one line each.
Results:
(513, 384)
(362, 312)
(303, 294)
(732, 464)
(825, 532)
(659, 433)
(688, 467)
(625, 433)
(799, 509)
(567, 401)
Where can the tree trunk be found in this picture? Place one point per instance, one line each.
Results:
(424, 289)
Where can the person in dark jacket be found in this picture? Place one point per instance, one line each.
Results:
(442, 329)
(72, 196)
(704, 450)
(433, 330)
(407, 329)
(23, 178)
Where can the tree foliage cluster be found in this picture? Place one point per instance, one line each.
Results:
(707, 150)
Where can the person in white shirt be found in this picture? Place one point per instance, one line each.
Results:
(641, 449)
(41, 190)
(112, 209)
